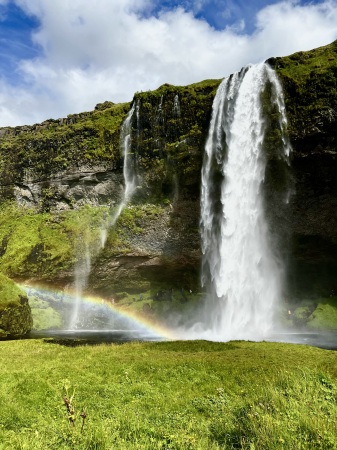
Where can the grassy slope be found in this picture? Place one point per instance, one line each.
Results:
(179, 395)
(302, 65)
(309, 79)
(42, 244)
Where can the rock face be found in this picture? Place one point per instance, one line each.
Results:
(169, 129)
(62, 179)
(15, 314)
(86, 186)
(66, 163)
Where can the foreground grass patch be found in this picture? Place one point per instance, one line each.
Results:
(173, 395)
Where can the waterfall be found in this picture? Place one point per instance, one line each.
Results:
(240, 267)
(130, 178)
(176, 106)
(83, 267)
(82, 271)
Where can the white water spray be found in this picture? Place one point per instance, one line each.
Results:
(238, 260)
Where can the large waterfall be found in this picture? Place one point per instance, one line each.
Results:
(240, 268)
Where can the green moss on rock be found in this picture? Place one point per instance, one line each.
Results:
(41, 245)
(15, 314)
(168, 138)
(40, 151)
(310, 84)
(325, 315)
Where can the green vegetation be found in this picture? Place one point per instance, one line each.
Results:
(46, 246)
(311, 314)
(301, 65)
(324, 317)
(41, 244)
(41, 151)
(174, 395)
(131, 225)
(170, 135)
(310, 83)
(15, 314)
(9, 292)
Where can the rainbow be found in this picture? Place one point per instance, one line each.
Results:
(133, 320)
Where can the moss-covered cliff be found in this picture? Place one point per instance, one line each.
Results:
(65, 163)
(61, 180)
(309, 81)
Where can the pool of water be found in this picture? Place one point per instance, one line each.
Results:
(82, 337)
(326, 340)
(322, 339)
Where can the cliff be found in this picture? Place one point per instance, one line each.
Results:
(61, 181)
(309, 81)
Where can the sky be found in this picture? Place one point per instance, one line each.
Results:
(60, 57)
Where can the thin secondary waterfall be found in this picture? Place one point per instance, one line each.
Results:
(83, 267)
(239, 265)
(130, 177)
(176, 106)
(82, 271)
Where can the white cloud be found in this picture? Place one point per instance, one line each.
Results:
(104, 50)
(287, 27)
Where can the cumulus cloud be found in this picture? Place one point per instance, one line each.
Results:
(96, 51)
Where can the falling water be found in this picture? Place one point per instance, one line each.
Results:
(83, 267)
(129, 174)
(176, 106)
(82, 271)
(239, 264)
(130, 177)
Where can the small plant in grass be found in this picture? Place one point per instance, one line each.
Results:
(68, 402)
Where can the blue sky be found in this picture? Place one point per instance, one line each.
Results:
(15, 39)
(64, 56)
(219, 13)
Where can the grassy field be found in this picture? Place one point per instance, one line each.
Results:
(167, 395)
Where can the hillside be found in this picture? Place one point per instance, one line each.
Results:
(62, 179)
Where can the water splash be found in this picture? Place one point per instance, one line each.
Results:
(239, 264)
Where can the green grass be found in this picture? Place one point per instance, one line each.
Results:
(325, 315)
(312, 314)
(9, 292)
(42, 244)
(174, 395)
(309, 81)
(301, 65)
